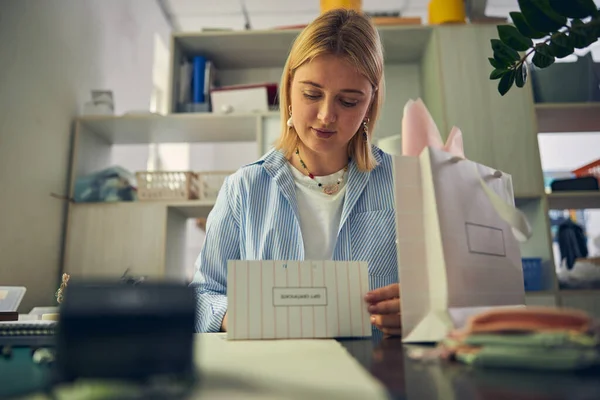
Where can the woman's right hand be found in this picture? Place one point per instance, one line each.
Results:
(224, 323)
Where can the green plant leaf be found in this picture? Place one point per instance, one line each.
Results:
(540, 16)
(523, 27)
(560, 46)
(521, 75)
(498, 73)
(574, 8)
(596, 28)
(559, 51)
(497, 64)
(543, 57)
(506, 82)
(560, 39)
(595, 24)
(592, 31)
(581, 35)
(577, 40)
(503, 53)
(513, 38)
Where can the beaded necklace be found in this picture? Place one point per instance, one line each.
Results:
(329, 189)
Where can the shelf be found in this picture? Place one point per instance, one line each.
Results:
(579, 292)
(175, 128)
(568, 117)
(522, 199)
(189, 209)
(574, 200)
(193, 208)
(534, 293)
(270, 48)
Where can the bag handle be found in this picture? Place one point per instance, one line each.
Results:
(510, 214)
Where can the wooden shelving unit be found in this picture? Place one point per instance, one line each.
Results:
(446, 66)
(574, 200)
(241, 57)
(146, 237)
(572, 118)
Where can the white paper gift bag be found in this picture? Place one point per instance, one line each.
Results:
(456, 227)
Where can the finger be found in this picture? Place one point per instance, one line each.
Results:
(392, 331)
(383, 293)
(386, 321)
(385, 307)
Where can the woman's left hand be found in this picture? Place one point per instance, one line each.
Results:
(384, 307)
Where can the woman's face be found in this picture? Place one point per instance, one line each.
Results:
(330, 100)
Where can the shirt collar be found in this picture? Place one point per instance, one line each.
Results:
(274, 160)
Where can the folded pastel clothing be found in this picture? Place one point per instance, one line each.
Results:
(108, 185)
(528, 319)
(557, 359)
(541, 338)
(537, 340)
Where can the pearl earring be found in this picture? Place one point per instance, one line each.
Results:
(290, 122)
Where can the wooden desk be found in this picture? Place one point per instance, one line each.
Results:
(404, 378)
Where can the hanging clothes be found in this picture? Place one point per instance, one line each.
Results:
(572, 242)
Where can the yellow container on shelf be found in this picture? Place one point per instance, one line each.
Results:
(447, 12)
(327, 5)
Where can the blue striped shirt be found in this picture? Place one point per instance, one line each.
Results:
(255, 217)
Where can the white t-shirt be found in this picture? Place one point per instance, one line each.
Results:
(320, 213)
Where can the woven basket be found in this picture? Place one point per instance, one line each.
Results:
(210, 183)
(167, 185)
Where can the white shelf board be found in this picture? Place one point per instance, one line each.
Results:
(574, 200)
(568, 117)
(536, 293)
(193, 208)
(579, 292)
(522, 199)
(175, 128)
(270, 48)
(189, 208)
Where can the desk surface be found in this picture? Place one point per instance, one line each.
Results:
(404, 378)
(409, 379)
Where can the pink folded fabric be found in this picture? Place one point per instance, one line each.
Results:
(528, 319)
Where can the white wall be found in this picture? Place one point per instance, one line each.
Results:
(568, 151)
(53, 53)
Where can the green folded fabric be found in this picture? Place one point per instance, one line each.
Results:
(535, 340)
(559, 359)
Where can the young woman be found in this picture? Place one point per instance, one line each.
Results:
(325, 192)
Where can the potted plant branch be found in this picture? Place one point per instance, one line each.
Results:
(558, 26)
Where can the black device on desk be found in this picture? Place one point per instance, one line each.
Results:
(129, 332)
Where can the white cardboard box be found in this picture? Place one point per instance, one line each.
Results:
(226, 101)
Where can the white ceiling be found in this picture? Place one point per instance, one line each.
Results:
(195, 15)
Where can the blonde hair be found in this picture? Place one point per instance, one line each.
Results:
(350, 35)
